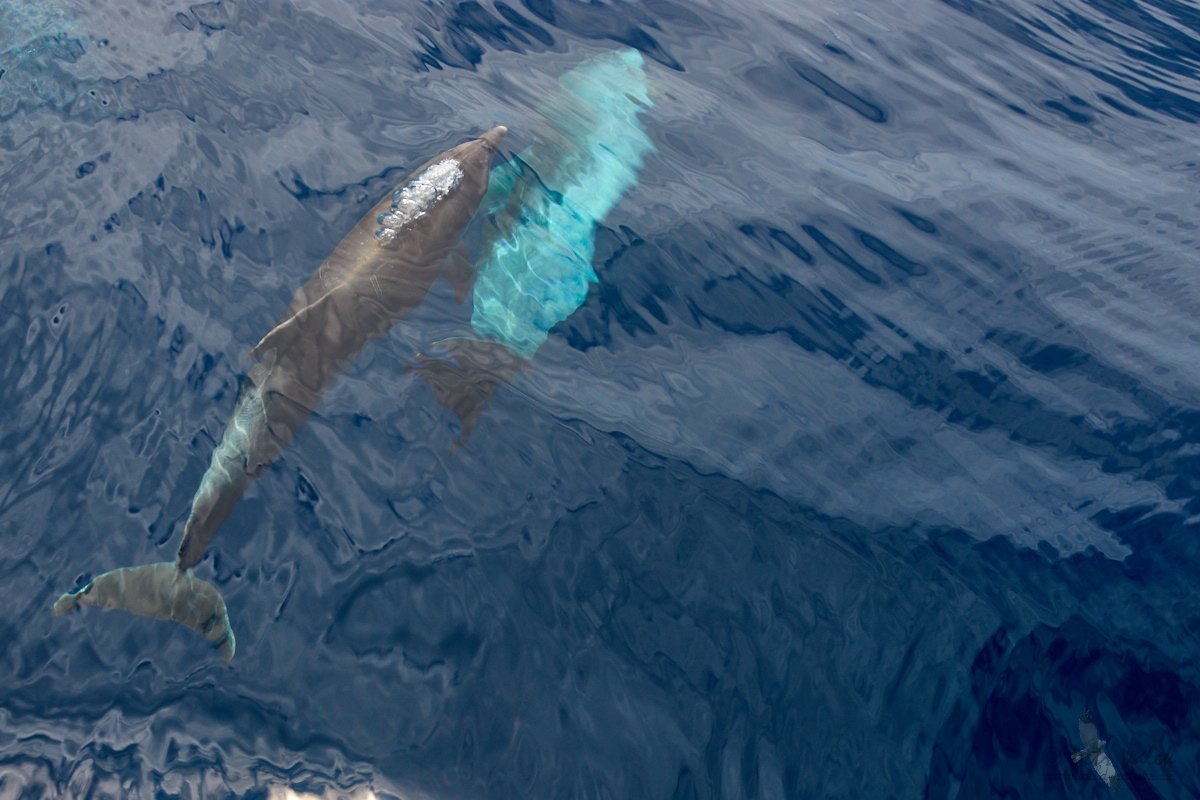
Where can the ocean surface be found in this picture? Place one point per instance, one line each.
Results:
(869, 464)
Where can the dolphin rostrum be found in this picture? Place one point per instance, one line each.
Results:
(375, 277)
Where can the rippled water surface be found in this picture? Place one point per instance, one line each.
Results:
(869, 464)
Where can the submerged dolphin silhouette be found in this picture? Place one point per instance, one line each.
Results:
(375, 277)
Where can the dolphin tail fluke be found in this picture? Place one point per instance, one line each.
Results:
(161, 591)
(465, 375)
(66, 604)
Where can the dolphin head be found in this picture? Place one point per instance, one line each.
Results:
(494, 137)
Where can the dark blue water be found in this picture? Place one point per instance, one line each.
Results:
(869, 464)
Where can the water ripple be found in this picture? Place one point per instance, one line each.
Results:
(881, 420)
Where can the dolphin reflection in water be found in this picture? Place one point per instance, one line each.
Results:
(375, 277)
(539, 234)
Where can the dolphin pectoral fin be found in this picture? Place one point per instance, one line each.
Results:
(467, 379)
(458, 271)
(163, 592)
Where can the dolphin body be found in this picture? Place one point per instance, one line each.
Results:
(379, 273)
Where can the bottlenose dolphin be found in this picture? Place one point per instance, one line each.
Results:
(539, 235)
(375, 277)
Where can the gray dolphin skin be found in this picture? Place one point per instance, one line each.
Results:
(160, 591)
(379, 273)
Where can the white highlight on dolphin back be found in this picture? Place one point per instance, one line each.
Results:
(414, 200)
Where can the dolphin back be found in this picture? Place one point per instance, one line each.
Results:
(163, 592)
(465, 375)
(539, 233)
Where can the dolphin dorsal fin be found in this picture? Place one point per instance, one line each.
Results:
(277, 335)
(465, 375)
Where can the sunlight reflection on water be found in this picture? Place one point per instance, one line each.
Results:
(881, 420)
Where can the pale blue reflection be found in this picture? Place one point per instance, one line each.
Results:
(544, 205)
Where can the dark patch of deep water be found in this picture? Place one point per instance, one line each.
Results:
(869, 464)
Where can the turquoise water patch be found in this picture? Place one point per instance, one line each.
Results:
(544, 205)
